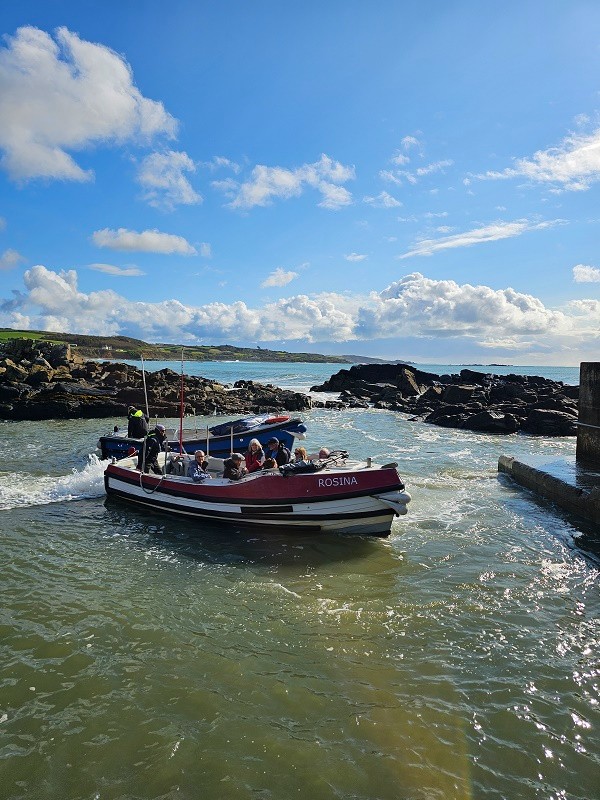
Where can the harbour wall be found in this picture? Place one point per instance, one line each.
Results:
(588, 427)
(583, 502)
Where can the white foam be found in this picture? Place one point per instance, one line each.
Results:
(23, 489)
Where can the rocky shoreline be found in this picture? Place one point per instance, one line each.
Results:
(470, 400)
(41, 380)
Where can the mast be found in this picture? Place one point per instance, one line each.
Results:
(145, 391)
(181, 408)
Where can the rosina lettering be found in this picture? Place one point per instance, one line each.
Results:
(342, 480)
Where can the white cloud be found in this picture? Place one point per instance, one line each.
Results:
(409, 142)
(383, 200)
(391, 177)
(399, 158)
(220, 162)
(162, 177)
(267, 183)
(355, 257)
(279, 277)
(412, 307)
(67, 94)
(584, 274)
(10, 259)
(419, 306)
(205, 250)
(488, 233)
(120, 272)
(2, 223)
(400, 175)
(574, 164)
(145, 242)
(436, 166)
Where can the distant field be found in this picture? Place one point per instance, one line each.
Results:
(127, 348)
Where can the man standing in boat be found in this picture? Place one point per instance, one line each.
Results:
(153, 444)
(137, 424)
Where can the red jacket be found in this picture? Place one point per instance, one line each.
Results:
(254, 460)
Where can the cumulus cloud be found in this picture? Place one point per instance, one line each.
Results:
(279, 277)
(383, 200)
(487, 233)
(64, 94)
(443, 307)
(165, 185)
(414, 307)
(584, 274)
(573, 165)
(205, 250)
(10, 259)
(355, 257)
(268, 183)
(119, 272)
(145, 242)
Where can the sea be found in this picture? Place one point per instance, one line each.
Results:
(146, 657)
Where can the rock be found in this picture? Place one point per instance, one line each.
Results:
(550, 423)
(58, 385)
(12, 371)
(472, 400)
(40, 374)
(490, 422)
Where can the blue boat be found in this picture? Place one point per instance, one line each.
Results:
(223, 439)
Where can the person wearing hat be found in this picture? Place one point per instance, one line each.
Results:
(234, 468)
(277, 451)
(154, 442)
(137, 424)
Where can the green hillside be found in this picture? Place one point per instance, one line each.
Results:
(124, 347)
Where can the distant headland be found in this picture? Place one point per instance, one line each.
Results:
(126, 348)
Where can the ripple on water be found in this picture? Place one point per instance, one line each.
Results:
(148, 657)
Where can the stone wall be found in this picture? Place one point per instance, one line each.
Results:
(588, 429)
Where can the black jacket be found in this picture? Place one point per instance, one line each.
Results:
(153, 444)
(137, 425)
(233, 470)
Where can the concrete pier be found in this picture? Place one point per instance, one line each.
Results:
(588, 426)
(572, 488)
(573, 484)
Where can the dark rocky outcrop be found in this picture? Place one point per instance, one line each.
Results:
(470, 400)
(41, 380)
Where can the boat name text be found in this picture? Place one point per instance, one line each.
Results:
(341, 481)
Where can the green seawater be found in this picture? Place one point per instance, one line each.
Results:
(144, 656)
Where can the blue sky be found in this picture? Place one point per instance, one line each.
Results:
(407, 180)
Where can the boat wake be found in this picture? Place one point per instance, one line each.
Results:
(25, 489)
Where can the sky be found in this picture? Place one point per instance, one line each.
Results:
(406, 180)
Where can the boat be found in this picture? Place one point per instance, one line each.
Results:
(219, 440)
(331, 496)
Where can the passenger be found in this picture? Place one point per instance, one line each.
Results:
(137, 424)
(300, 454)
(176, 464)
(278, 451)
(254, 456)
(323, 453)
(197, 469)
(270, 463)
(234, 468)
(154, 442)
